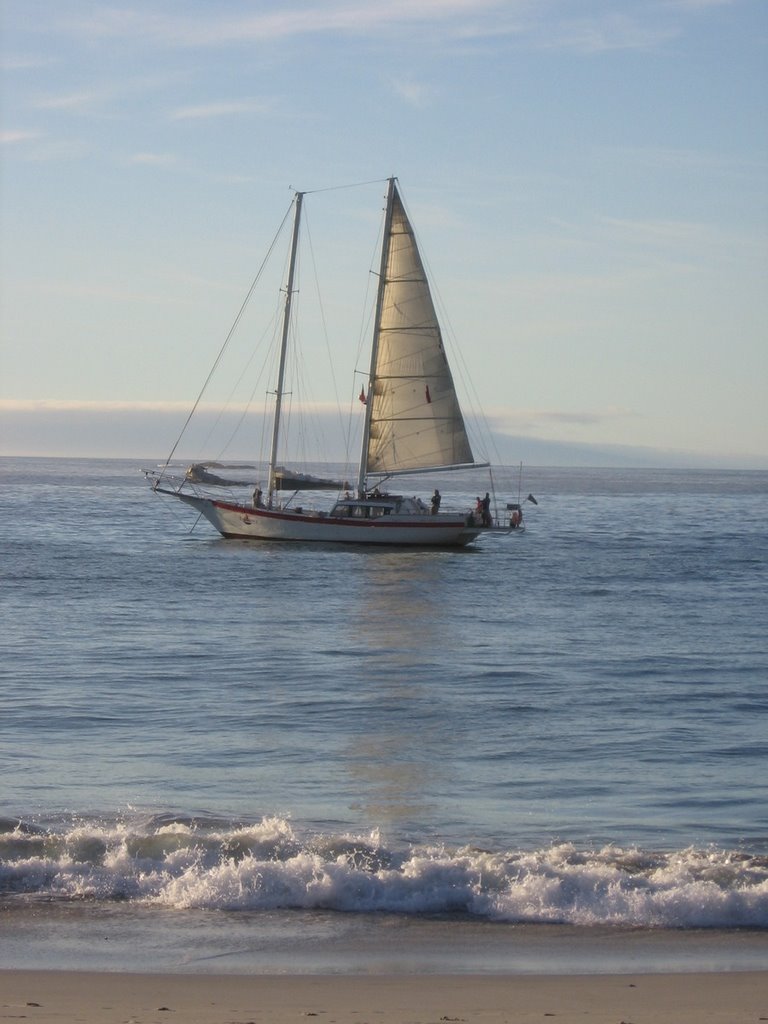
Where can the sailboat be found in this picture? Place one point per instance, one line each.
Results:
(412, 424)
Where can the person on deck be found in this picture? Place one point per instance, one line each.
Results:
(486, 510)
(436, 498)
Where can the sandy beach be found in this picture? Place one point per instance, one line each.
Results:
(101, 998)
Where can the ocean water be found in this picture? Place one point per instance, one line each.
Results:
(551, 747)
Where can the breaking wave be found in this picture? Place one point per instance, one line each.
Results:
(182, 862)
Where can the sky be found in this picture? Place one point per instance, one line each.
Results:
(587, 179)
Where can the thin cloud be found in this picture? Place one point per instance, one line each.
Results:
(533, 419)
(608, 34)
(152, 159)
(12, 138)
(18, 63)
(75, 405)
(108, 92)
(31, 405)
(547, 27)
(225, 109)
(663, 233)
(415, 94)
(687, 161)
(358, 19)
(698, 5)
(40, 149)
(70, 101)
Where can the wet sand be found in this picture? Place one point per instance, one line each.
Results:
(66, 997)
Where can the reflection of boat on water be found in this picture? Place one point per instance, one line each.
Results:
(412, 424)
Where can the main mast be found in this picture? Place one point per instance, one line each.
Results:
(385, 246)
(284, 347)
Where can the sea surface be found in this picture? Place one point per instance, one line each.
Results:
(546, 751)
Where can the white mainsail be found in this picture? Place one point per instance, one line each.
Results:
(415, 422)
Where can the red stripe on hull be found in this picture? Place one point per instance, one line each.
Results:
(380, 523)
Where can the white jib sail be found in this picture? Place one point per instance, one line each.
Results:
(416, 422)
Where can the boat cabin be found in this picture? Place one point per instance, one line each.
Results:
(372, 507)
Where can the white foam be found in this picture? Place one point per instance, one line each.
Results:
(268, 865)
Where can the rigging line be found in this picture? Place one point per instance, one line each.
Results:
(228, 338)
(367, 313)
(323, 320)
(199, 517)
(338, 188)
(221, 451)
(486, 440)
(249, 402)
(236, 428)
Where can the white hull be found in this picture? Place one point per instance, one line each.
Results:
(240, 521)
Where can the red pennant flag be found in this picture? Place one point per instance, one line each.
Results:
(362, 397)
(428, 396)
